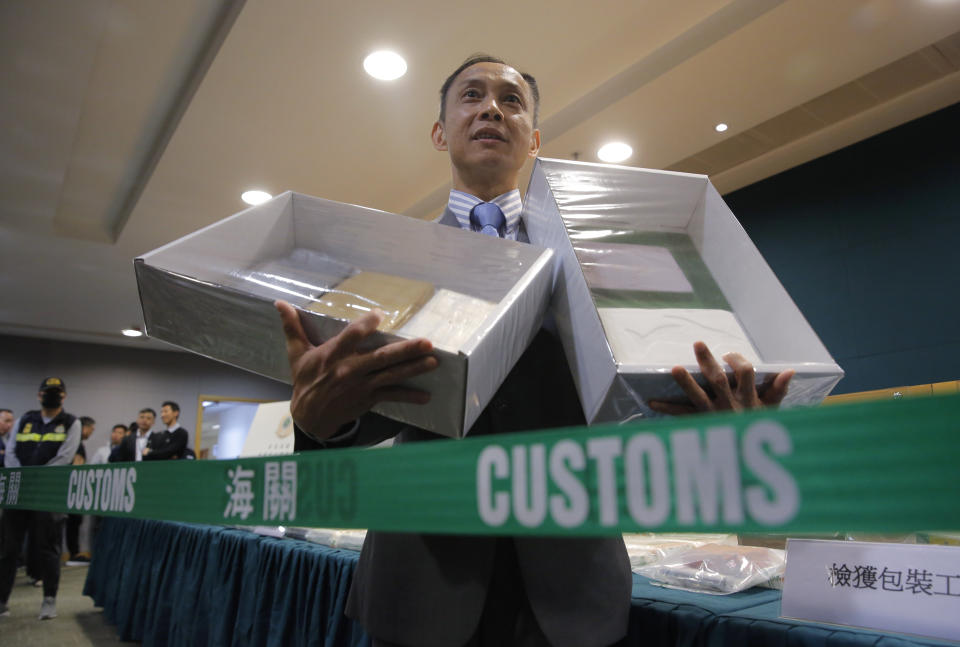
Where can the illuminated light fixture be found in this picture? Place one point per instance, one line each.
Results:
(720, 128)
(132, 332)
(385, 65)
(614, 152)
(207, 403)
(255, 197)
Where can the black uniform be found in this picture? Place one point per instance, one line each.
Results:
(37, 443)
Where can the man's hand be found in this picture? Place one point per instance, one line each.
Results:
(334, 383)
(736, 396)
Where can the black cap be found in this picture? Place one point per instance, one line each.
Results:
(53, 383)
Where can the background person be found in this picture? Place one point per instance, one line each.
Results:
(103, 454)
(136, 440)
(171, 443)
(49, 436)
(6, 424)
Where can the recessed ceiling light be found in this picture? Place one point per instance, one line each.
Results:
(132, 332)
(255, 197)
(614, 152)
(720, 128)
(385, 65)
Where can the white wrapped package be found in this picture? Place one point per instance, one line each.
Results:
(650, 262)
(212, 293)
(717, 569)
(651, 548)
(650, 336)
(449, 319)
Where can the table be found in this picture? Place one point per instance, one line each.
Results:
(166, 583)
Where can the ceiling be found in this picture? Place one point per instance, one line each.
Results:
(127, 125)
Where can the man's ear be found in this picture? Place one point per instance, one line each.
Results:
(534, 143)
(438, 136)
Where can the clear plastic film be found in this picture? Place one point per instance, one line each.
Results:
(478, 300)
(650, 262)
(717, 569)
(411, 308)
(651, 548)
(335, 538)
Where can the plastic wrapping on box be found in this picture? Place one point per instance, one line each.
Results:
(479, 300)
(347, 539)
(297, 278)
(648, 263)
(397, 297)
(651, 548)
(717, 569)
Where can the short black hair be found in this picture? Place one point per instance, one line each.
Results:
(487, 58)
(10, 411)
(148, 410)
(173, 405)
(86, 421)
(120, 425)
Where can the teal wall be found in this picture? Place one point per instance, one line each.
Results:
(867, 242)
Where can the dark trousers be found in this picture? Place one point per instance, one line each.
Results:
(73, 533)
(507, 618)
(46, 533)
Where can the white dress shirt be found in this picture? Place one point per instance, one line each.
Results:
(142, 443)
(461, 204)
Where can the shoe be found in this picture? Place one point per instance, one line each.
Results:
(36, 583)
(78, 560)
(49, 608)
(4, 609)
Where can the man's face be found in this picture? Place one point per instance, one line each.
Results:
(488, 123)
(117, 434)
(145, 420)
(6, 422)
(86, 431)
(168, 415)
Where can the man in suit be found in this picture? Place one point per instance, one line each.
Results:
(452, 590)
(171, 443)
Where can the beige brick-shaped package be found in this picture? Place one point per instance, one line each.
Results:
(357, 295)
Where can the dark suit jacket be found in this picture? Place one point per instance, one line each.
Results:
(430, 589)
(126, 450)
(165, 445)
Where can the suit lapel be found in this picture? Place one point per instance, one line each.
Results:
(447, 218)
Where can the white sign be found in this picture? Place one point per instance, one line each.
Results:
(271, 432)
(906, 588)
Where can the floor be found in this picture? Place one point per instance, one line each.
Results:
(77, 623)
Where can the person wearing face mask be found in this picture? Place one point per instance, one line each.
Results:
(49, 436)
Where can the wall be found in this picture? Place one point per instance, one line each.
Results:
(865, 240)
(112, 383)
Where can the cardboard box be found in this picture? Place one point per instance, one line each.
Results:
(211, 293)
(648, 263)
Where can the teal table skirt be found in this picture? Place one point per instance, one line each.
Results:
(178, 584)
